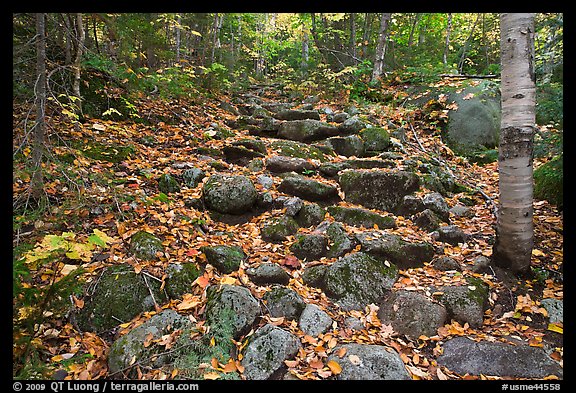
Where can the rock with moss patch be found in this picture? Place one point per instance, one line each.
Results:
(229, 194)
(352, 125)
(427, 220)
(226, 299)
(376, 139)
(267, 350)
(226, 259)
(466, 303)
(361, 217)
(451, 234)
(297, 114)
(145, 245)
(348, 146)
(549, 181)
(180, 278)
(282, 301)
(310, 247)
(193, 176)
(306, 130)
(283, 164)
(310, 214)
(268, 273)
(168, 184)
(119, 295)
(313, 276)
(297, 150)
(131, 347)
(377, 189)
(277, 229)
(356, 280)
(308, 189)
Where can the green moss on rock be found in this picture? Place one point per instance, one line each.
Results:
(549, 181)
(168, 184)
(375, 139)
(145, 245)
(226, 259)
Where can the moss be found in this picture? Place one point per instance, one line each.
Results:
(167, 184)
(361, 217)
(549, 181)
(180, 279)
(298, 150)
(99, 151)
(145, 245)
(479, 294)
(375, 138)
(226, 259)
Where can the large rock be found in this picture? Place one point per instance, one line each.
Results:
(281, 164)
(348, 146)
(180, 278)
(369, 362)
(361, 217)
(229, 194)
(193, 176)
(464, 356)
(466, 303)
(308, 189)
(306, 130)
(226, 259)
(314, 321)
(118, 295)
(310, 247)
(310, 214)
(298, 150)
(168, 184)
(268, 273)
(268, 349)
(393, 248)
(145, 245)
(282, 301)
(277, 229)
(356, 280)
(377, 189)
(131, 347)
(412, 314)
(376, 139)
(297, 114)
(475, 124)
(225, 301)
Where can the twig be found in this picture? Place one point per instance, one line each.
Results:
(417, 140)
(150, 290)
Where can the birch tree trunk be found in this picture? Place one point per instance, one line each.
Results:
(514, 232)
(381, 48)
(447, 41)
(37, 182)
(80, 37)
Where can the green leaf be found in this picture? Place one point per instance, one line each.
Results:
(95, 239)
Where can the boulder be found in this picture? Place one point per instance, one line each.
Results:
(348, 146)
(168, 184)
(282, 301)
(451, 234)
(445, 263)
(392, 247)
(376, 139)
(240, 155)
(226, 259)
(411, 313)
(119, 295)
(297, 150)
(231, 300)
(314, 321)
(313, 276)
(306, 130)
(410, 205)
(308, 189)
(466, 303)
(436, 202)
(277, 229)
(268, 273)
(256, 145)
(369, 362)
(180, 278)
(361, 217)
(340, 242)
(282, 164)
(229, 194)
(377, 189)
(297, 114)
(356, 280)
(192, 177)
(555, 309)
(310, 247)
(267, 350)
(310, 215)
(351, 125)
(293, 206)
(464, 356)
(131, 347)
(145, 245)
(427, 220)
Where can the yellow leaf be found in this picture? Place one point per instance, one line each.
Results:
(211, 375)
(555, 328)
(228, 280)
(538, 253)
(334, 367)
(441, 375)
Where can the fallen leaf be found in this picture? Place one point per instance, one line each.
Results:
(212, 375)
(334, 367)
(354, 359)
(555, 328)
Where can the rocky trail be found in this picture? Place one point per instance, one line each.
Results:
(263, 236)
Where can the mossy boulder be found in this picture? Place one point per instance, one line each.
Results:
(168, 184)
(306, 130)
(466, 303)
(229, 194)
(377, 189)
(145, 245)
(376, 139)
(361, 217)
(549, 181)
(310, 247)
(313, 276)
(192, 177)
(297, 150)
(356, 280)
(119, 295)
(226, 259)
(308, 189)
(277, 229)
(268, 273)
(310, 214)
(180, 278)
(282, 301)
(351, 145)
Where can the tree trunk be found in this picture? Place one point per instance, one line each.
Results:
(178, 25)
(413, 29)
(352, 44)
(466, 44)
(80, 36)
(447, 41)
(305, 50)
(37, 182)
(366, 34)
(380, 49)
(514, 232)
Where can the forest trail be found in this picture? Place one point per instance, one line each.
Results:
(248, 135)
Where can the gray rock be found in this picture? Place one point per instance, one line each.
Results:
(410, 204)
(356, 280)
(266, 181)
(282, 301)
(293, 206)
(351, 125)
(393, 248)
(340, 242)
(555, 309)
(353, 323)
(282, 164)
(131, 346)
(256, 145)
(427, 220)
(464, 356)
(412, 314)
(310, 247)
(461, 211)
(436, 202)
(268, 349)
(376, 139)
(445, 263)
(193, 176)
(314, 320)
(229, 194)
(361, 217)
(310, 215)
(226, 259)
(466, 303)
(180, 278)
(348, 146)
(308, 189)
(341, 117)
(145, 245)
(481, 264)
(297, 150)
(377, 189)
(313, 276)
(168, 184)
(306, 130)
(235, 300)
(240, 155)
(118, 296)
(369, 362)
(451, 234)
(268, 273)
(297, 114)
(276, 229)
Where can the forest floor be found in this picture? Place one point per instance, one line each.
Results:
(121, 198)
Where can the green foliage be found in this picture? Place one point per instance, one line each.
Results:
(548, 181)
(550, 104)
(215, 77)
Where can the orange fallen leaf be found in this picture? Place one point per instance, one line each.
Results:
(334, 367)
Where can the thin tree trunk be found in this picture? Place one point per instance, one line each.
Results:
(80, 36)
(352, 44)
(466, 44)
(514, 232)
(305, 50)
(413, 29)
(381, 48)
(366, 34)
(447, 41)
(178, 22)
(215, 41)
(37, 182)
